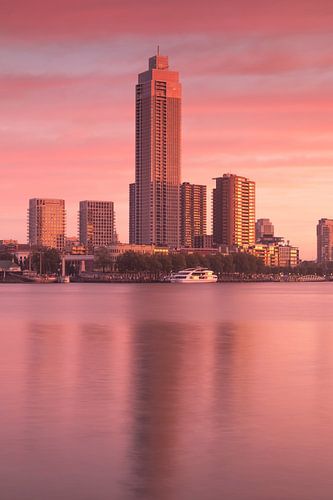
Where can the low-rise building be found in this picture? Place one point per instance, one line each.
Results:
(288, 256)
(118, 249)
(276, 255)
(9, 246)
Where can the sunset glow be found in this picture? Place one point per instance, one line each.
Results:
(257, 101)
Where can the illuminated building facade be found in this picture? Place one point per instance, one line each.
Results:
(47, 223)
(132, 212)
(96, 224)
(325, 241)
(158, 155)
(234, 211)
(193, 202)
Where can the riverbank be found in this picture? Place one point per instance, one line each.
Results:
(14, 278)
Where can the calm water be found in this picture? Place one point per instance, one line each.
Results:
(166, 392)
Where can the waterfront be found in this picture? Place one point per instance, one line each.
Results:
(161, 392)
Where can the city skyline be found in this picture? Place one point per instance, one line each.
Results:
(257, 88)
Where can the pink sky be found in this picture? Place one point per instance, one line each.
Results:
(257, 101)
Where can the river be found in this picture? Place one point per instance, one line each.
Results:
(166, 392)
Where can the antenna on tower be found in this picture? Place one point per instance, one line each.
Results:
(158, 50)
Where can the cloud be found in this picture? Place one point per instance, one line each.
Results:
(91, 19)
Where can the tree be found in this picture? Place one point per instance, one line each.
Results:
(192, 260)
(228, 264)
(46, 260)
(178, 262)
(166, 262)
(51, 260)
(102, 258)
(131, 262)
(6, 255)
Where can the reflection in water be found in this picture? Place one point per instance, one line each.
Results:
(156, 376)
(220, 393)
(45, 379)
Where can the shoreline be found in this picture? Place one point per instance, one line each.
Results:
(153, 281)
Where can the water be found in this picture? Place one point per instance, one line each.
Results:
(166, 392)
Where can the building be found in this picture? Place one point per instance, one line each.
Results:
(265, 233)
(203, 241)
(288, 256)
(325, 241)
(74, 247)
(157, 155)
(118, 249)
(193, 210)
(96, 224)
(200, 251)
(132, 212)
(234, 211)
(47, 223)
(264, 229)
(276, 255)
(8, 246)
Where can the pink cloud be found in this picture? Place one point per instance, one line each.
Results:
(100, 18)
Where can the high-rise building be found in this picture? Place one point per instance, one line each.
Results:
(325, 241)
(47, 222)
(132, 212)
(157, 155)
(96, 224)
(203, 241)
(234, 211)
(264, 229)
(193, 209)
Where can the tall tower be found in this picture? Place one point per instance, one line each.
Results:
(157, 155)
(47, 222)
(325, 241)
(193, 212)
(234, 211)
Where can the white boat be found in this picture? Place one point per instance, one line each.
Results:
(194, 275)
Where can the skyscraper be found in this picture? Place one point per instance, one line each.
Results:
(96, 224)
(132, 212)
(234, 211)
(157, 155)
(325, 241)
(47, 222)
(193, 212)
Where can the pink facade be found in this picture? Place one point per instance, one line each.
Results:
(158, 155)
(325, 241)
(234, 211)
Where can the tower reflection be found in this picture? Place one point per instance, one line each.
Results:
(156, 398)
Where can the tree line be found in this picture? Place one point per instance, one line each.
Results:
(164, 264)
(242, 263)
(48, 259)
(45, 259)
